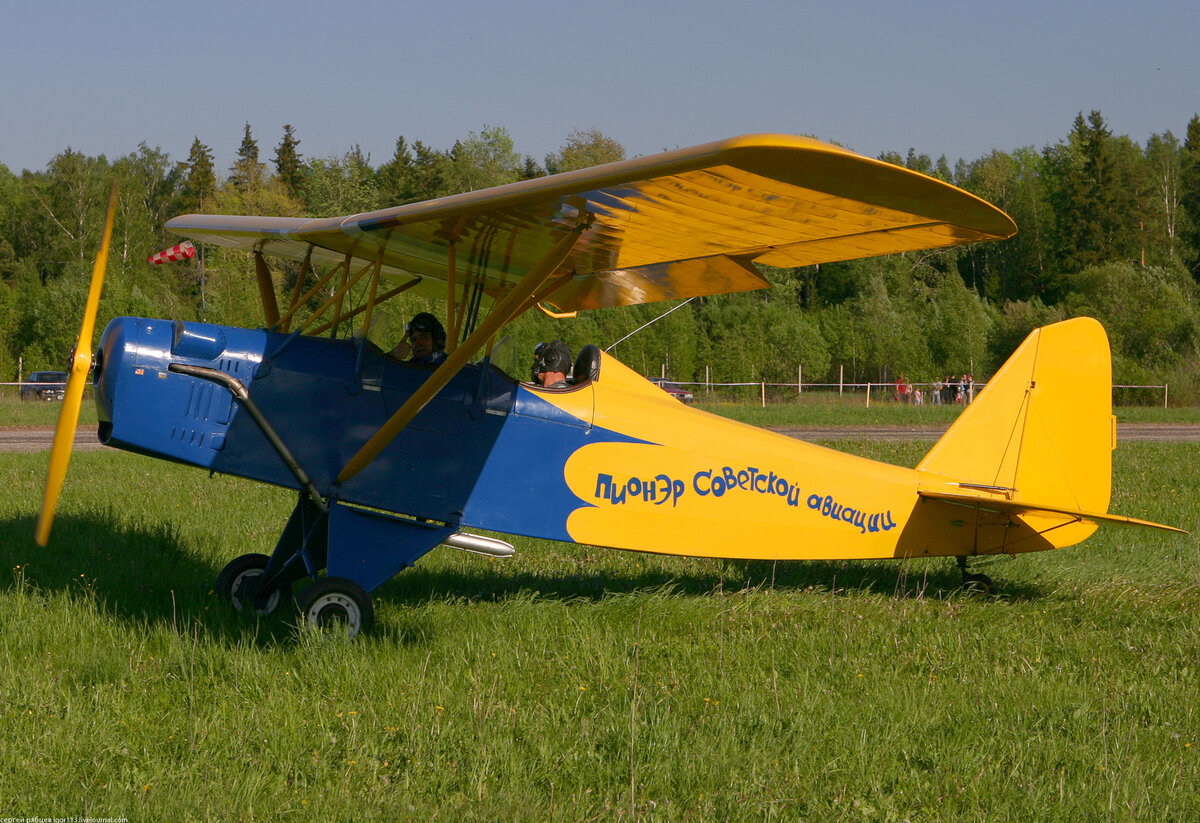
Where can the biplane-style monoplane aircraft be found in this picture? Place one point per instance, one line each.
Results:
(391, 459)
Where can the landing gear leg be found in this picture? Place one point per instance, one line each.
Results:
(975, 583)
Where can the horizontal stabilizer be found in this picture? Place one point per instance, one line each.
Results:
(1020, 507)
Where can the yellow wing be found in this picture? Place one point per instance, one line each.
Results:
(680, 224)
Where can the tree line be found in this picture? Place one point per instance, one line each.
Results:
(1108, 227)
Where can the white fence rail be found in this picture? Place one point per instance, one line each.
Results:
(765, 392)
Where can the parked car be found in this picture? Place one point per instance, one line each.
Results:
(44, 385)
(678, 392)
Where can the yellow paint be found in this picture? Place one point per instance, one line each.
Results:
(706, 486)
(1043, 425)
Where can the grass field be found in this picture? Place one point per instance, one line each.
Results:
(827, 411)
(17, 412)
(571, 683)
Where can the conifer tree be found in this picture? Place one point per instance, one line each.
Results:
(1086, 198)
(1189, 197)
(288, 165)
(396, 176)
(246, 171)
(199, 181)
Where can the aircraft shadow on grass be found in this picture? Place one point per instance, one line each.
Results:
(142, 574)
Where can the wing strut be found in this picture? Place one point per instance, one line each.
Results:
(266, 290)
(511, 306)
(284, 325)
(297, 302)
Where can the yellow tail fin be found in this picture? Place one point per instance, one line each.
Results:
(1042, 430)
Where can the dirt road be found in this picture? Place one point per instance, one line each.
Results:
(40, 438)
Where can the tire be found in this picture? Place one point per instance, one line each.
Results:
(238, 580)
(979, 584)
(335, 604)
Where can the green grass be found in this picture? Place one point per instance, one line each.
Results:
(17, 412)
(571, 683)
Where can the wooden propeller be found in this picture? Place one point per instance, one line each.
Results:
(81, 364)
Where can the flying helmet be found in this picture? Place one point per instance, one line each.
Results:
(426, 322)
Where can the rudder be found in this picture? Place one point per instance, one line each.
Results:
(1042, 429)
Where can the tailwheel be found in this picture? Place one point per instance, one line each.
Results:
(979, 584)
(974, 582)
(238, 584)
(335, 604)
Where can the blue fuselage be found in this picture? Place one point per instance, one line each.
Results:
(486, 451)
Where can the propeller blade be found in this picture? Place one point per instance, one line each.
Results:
(81, 363)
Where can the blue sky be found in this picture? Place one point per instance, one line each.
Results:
(952, 78)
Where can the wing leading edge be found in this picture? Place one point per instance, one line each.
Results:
(680, 224)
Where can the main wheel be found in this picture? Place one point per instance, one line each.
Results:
(238, 582)
(336, 604)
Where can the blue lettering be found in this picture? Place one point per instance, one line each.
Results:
(666, 488)
(755, 477)
(730, 478)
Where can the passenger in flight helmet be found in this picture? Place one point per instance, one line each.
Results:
(424, 341)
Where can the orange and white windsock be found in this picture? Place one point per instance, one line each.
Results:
(183, 251)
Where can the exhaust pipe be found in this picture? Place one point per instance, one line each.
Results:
(478, 544)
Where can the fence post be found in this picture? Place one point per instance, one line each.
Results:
(764, 394)
(841, 377)
(868, 395)
(799, 379)
(1165, 387)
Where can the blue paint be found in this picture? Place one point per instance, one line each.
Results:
(522, 489)
(486, 451)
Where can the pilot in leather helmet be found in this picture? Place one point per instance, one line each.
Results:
(551, 362)
(424, 341)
